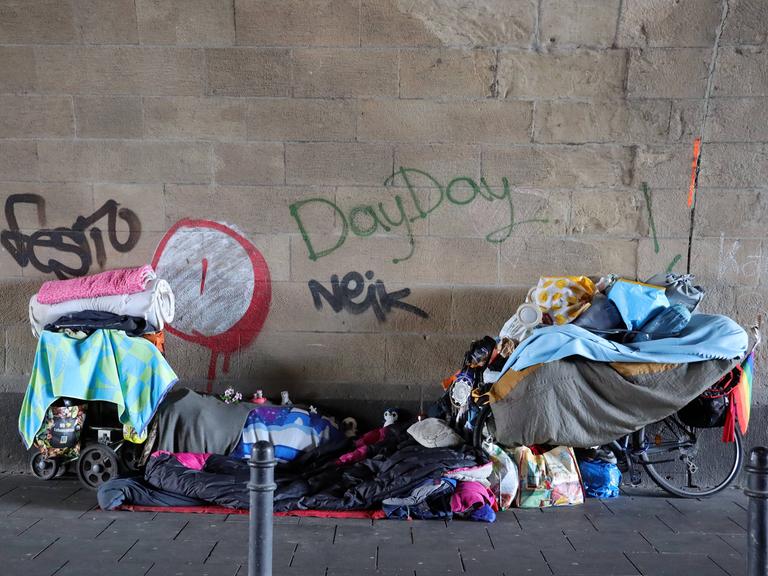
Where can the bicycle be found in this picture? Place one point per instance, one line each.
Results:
(685, 461)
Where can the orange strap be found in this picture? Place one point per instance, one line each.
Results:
(694, 166)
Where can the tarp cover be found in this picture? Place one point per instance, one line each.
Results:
(577, 402)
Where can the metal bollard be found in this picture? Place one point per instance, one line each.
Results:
(757, 524)
(261, 486)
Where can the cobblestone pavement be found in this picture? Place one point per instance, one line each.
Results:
(55, 527)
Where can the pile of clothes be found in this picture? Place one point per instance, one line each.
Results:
(386, 469)
(582, 362)
(100, 339)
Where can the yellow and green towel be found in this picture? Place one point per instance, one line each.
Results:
(107, 366)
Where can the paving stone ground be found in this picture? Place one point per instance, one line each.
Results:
(55, 528)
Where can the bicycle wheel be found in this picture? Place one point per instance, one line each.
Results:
(485, 427)
(690, 462)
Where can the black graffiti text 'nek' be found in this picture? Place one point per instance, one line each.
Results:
(74, 241)
(343, 293)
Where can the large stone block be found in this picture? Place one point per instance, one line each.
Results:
(20, 348)
(338, 73)
(382, 23)
(562, 74)
(523, 262)
(61, 204)
(742, 71)
(613, 213)
(736, 120)
(132, 161)
(447, 73)
(671, 257)
(306, 119)
(139, 255)
(379, 253)
(17, 69)
(16, 295)
(331, 358)
(733, 165)
(30, 116)
(187, 22)
(584, 166)
(725, 212)
(486, 121)
(661, 23)
(502, 23)
(668, 73)
(406, 354)
(249, 163)
(443, 162)
(726, 261)
(191, 118)
(107, 21)
(109, 117)
(452, 261)
(258, 210)
(298, 22)
(664, 166)
(145, 200)
(68, 160)
(36, 22)
(95, 70)
(293, 309)
(685, 122)
(629, 121)
(746, 22)
(248, 71)
(520, 214)
(590, 23)
(18, 160)
(483, 310)
(671, 215)
(337, 163)
(355, 203)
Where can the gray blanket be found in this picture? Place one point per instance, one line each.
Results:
(190, 422)
(582, 403)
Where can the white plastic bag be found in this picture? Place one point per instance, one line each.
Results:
(504, 478)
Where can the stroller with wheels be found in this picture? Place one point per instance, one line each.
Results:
(87, 437)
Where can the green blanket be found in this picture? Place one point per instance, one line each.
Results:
(107, 366)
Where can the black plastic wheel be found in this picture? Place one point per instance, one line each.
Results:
(696, 464)
(97, 465)
(42, 467)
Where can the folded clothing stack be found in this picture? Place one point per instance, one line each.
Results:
(130, 299)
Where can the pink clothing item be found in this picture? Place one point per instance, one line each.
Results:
(361, 446)
(470, 495)
(191, 460)
(111, 283)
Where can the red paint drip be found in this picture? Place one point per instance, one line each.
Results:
(205, 272)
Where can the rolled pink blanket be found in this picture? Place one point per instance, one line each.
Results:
(111, 283)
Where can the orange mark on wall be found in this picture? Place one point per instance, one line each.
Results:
(694, 169)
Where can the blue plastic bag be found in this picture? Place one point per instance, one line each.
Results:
(601, 479)
(636, 301)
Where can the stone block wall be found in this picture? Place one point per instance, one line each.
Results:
(455, 150)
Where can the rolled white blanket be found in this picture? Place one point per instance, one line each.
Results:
(156, 305)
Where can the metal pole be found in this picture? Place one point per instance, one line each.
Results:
(757, 524)
(261, 486)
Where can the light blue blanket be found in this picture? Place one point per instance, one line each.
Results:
(108, 366)
(706, 337)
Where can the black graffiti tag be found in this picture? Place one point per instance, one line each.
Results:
(75, 240)
(343, 293)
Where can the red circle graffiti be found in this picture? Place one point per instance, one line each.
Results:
(248, 327)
